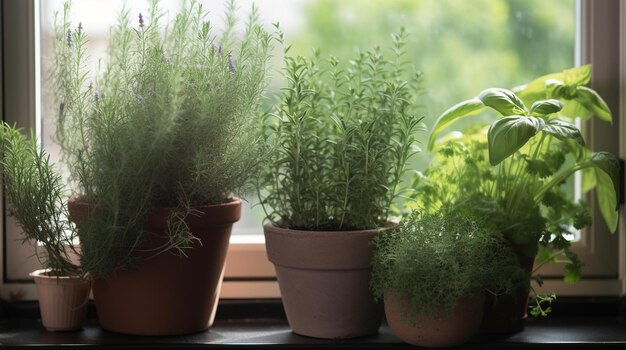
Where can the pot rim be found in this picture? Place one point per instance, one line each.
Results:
(77, 199)
(41, 273)
(287, 230)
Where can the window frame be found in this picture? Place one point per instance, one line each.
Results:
(601, 31)
(248, 273)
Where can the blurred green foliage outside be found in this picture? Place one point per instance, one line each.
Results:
(461, 46)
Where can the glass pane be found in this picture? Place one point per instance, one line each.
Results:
(461, 46)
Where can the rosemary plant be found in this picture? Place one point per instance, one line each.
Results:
(168, 121)
(37, 200)
(339, 140)
(434, 258)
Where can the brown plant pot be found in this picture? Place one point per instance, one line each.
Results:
(324, 281)
(62, 300)
(168, 294)
(507, 314)
(454, 329)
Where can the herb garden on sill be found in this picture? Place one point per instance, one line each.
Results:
(162, 141)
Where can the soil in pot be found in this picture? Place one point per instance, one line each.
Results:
(62, 300)
(168, 294)
(324, 281)
(450, 330)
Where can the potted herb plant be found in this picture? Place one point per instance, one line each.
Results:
(338, 142)
(36, 198)
(158, 143)
(434, 270)
(520, 163)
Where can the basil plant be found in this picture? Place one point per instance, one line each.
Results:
(537, 114)
(522, 159)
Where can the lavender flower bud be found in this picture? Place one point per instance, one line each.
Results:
(141, 23)
(231, 64)
(96, 96)
(61, 109)
(69, 38)
(80, 27)
(219, 50)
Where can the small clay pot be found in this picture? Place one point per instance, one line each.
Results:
(62, 300)
(506, 314)
(324, 281)
(449, 330)
(167, 294)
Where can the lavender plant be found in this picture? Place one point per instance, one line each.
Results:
(167, 121)
(339, 139)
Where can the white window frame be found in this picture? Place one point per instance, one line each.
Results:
(248, 273)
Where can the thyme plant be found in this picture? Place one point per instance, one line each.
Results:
(168, 120)
(434, 258)
(37, 199)
(339, 139)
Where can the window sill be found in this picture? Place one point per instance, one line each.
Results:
(20, 329)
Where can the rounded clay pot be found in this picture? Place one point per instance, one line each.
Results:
(324, 281)
(168, 294)
(451, 330)
(62, 300)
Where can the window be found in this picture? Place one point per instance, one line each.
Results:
(462, 47)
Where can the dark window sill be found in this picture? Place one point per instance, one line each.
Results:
(261, 325)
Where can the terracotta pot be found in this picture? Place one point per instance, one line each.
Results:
(324, 281)
(167, 294)
(450, 330)
(62, 300)
(506, 314)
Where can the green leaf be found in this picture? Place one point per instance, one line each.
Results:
(588, 179)
(509, 134)
(607, 199)
(573, 109)
(573, 76)
(609, 164)
(577, 75)
(542, 108)
(571, 273)
(503, 101)
(606, 172)
(451, 115)
(590, 99)
(563, 130)
(538, 167)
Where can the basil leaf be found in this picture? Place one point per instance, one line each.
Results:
(451, 115)
(536, 89)
(509, 134)
(593, 102)
(542, 108)
(503, 101)
(563, 130)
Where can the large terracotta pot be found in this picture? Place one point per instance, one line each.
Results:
(506, 314)
(454, 329)
(62, 300)
(324, 281)
(168, 294)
